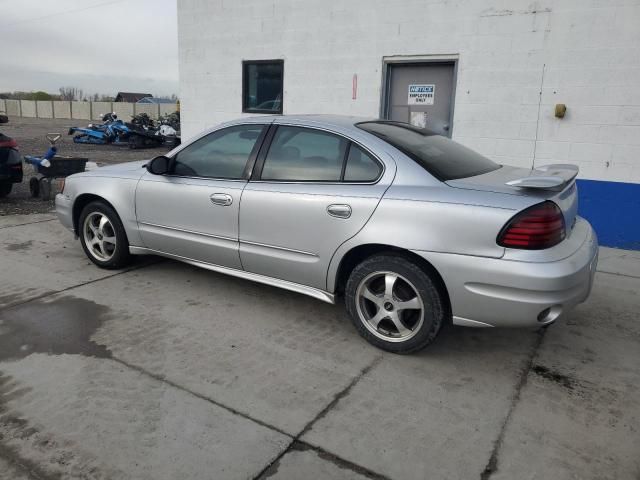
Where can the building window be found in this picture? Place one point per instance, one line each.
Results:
(262, 86)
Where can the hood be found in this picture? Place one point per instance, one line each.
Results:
(126, 170)
(123, 167)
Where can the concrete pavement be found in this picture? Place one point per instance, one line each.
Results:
(167, 371)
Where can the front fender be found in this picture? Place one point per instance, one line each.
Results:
(118, 192)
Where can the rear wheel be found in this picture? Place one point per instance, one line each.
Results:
(45, 188)
(5, 188)
(394, 304)
(34, 187)
(102, 236)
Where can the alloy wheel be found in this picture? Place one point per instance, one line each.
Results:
(99, 236)
(389, 306)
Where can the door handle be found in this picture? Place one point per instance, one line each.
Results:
(221, 199)
(339, 210)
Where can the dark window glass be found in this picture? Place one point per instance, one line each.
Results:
(361, 167)
(221, 154)
(304, 154)
(262, 86)
(443, 158)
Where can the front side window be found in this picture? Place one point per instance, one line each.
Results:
(303, 154)
(441, 157)
(221, 154)
(262, 86)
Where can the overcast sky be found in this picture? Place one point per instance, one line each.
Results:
(100, 46)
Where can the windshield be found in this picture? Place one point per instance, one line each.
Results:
(441, 157)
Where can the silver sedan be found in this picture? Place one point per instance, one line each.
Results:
(412, 229)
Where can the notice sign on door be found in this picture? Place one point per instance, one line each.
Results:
(421, 94)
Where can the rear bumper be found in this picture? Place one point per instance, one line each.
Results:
(490, 292)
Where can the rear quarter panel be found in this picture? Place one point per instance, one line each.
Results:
(435, 218)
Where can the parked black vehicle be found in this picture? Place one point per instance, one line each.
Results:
(10, 165)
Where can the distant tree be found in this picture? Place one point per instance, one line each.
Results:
(71, 93)
(99, 97)
(17, 95)
(40, 95)
(173, 97)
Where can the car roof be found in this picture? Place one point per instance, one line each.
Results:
(341, 121)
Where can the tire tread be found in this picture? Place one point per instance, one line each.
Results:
(428, 289)
(122, 256)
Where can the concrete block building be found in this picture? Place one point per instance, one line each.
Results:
(524, 82)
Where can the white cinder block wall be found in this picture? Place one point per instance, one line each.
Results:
(584, 53)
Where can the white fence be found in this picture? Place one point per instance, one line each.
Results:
(82, 110)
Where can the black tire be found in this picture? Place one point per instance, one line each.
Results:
(5, 189)
(414, 280)
(120, 256)
(34, 187)
(45, 188)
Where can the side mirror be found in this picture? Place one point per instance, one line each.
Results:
(159, 165)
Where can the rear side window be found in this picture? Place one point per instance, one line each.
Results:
(361, 167)
(303, 154)
(441, 157)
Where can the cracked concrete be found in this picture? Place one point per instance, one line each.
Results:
(167, 371)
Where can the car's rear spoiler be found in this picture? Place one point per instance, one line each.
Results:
(547, 177)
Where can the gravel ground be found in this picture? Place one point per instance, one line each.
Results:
(30, 135)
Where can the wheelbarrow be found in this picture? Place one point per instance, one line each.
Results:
(51, 166)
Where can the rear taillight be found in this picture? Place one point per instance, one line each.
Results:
(537, 227)
(11, 143)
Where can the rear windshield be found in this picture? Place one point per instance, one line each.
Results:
(441, 157)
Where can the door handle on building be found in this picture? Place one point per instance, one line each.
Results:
(221, 199)
(339, 210)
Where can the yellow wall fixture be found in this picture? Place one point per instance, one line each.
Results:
(561, 109)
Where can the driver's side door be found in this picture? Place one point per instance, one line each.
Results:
(192, 211)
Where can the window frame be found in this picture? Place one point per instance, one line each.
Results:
(345, 161)
(245, 86)
(246, 172)
(256, 175)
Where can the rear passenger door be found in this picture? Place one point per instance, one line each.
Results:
(311, 190)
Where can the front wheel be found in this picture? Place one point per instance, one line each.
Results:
(394, 304)
(102, 236)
